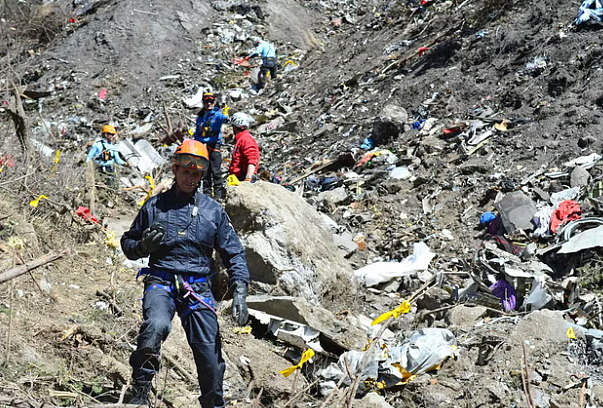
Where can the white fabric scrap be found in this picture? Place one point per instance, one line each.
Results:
(380, 272)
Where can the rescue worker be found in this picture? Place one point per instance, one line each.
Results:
(246, 153)
(208, 130)
(265, 50)
(104, 154)
(179, 229)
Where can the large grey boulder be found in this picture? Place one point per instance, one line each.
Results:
(288, 243)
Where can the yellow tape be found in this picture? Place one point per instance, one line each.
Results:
(150, 192)
(34, 203)
(403, 308)
(242, 330)
(57, 157)
(307, 355)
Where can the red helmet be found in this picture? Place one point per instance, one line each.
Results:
(192, 154)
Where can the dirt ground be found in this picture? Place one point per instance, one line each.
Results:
(69, 326)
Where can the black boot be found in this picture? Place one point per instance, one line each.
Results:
(142, 389)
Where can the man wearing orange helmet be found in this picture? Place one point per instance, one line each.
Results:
(208, 130)
(179, 230)
(105, 154)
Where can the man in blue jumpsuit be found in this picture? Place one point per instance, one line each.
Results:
(180, 229)
(105, 155)
(208, 130)
(267, 52)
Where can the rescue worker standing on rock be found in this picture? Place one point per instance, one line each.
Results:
(267, 52)
(246, 153)
(208, 130)
(104, 154)
(180, 229)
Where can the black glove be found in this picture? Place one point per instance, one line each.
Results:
(151, 239)
(240, 313)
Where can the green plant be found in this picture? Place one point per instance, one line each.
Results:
(591, 274)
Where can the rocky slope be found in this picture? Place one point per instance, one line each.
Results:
(459, 101)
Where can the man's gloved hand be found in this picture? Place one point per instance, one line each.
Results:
(151, 239)
(240, 313)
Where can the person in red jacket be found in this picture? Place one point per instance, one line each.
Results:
(246, 153)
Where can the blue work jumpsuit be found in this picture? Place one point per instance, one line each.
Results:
(268, 53)
(208, 130)
(195, 226)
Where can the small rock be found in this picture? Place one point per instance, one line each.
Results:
(436, 399)
(497, 391)
(535, 378)
(433, 299)
(541, 399)
(586, 141)
(543, 195)
(371, 400)
(579, 177)
(466, 316)
(333, 197)
(345, 241)
(598, 393)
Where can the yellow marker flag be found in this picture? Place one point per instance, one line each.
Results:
(232, 180)
(570, 333)
(111, 239)
(34, 203)
(307, 355)
(57, 157)
(403, 308)
(150, 192)
(242, 330)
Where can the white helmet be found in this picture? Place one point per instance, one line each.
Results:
(256, 40)
(241, 120)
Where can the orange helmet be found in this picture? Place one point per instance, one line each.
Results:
(208, 96)
(109, 129)
(192, 154)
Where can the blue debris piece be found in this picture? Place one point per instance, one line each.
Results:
(587, 11)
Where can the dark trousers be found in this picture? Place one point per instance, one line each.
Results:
(213, 175)
(108, 175)
(200, 324)
(269, 64)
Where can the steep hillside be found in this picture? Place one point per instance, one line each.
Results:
(400, 123)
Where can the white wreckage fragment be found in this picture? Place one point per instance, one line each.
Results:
(425, 350)
(380, 272)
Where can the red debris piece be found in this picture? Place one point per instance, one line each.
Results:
(567, 211)
(85, 214)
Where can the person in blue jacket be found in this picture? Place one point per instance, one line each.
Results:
(179, 231)
(105, 155)
(208, 130)
(268, 53)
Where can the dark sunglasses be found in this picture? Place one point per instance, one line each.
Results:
(192, 162)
